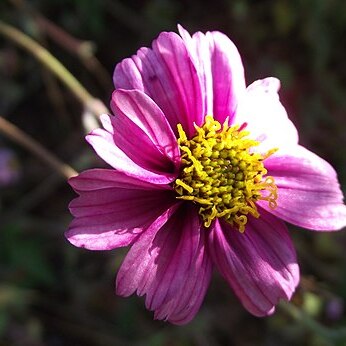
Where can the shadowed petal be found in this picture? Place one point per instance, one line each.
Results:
(169, 266)
(265, 116)
(260, 264)
(220, 69)
(145, 114)
(136, 144)
(309, 194)
(108, 217)
(147, 167)
(166, 74)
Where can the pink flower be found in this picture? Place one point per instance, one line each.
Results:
(204, 173)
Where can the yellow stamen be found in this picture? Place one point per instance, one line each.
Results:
(222, 175)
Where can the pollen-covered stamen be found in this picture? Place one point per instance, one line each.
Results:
(222, 175)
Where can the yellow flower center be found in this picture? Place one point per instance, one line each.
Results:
(222, 175)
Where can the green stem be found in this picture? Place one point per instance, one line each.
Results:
(50, 62)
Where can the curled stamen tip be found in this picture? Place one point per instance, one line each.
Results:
(273, 204)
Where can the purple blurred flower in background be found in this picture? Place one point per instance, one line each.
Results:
(204, 173)
(9, 167)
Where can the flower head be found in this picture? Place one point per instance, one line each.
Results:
(204, 173)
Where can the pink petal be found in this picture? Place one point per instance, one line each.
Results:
(220, 70)
(166, 74)
(108, 217)
(170, 267)
(103, 142)
(265, 116)
(136, 144)
(260, 264)
(142, 111)
(309, 194)
(98, 178)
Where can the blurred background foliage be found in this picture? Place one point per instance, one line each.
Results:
(54, 294)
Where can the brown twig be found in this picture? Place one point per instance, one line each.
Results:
(84, 50)
(50, 62)
(14, 133)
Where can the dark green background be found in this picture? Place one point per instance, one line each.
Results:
(54, 294)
